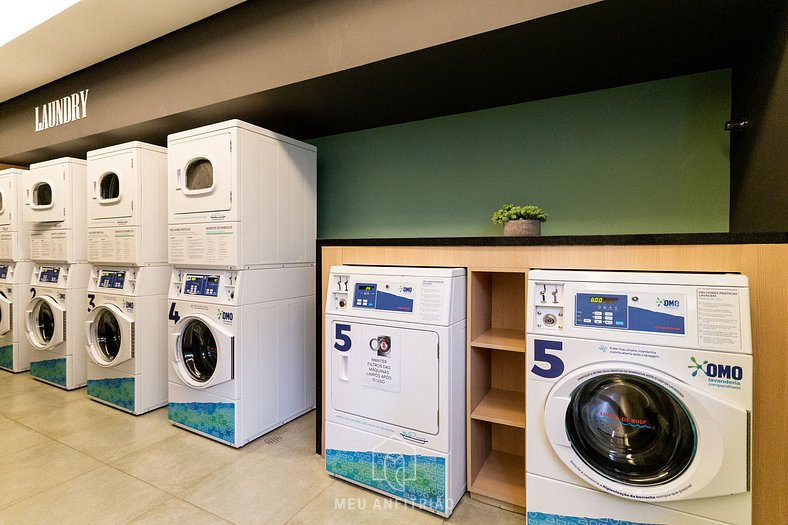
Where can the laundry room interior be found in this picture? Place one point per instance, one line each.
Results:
(248, 271)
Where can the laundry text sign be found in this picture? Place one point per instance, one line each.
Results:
(62, 111)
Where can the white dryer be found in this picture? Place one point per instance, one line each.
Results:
(54, 323)
(15, 271)
(240, 196)
(395, 382)
(639, 398)
(126, 332)
(241, 350)
(55, 205)
(127, 205)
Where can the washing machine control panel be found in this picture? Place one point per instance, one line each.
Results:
(112, 279)
(3, 271)
(201, 284)
(49, 274)
(393, 296)
(601, 310)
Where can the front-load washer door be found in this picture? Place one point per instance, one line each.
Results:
(45, 195)
(46, 322)
(110, 336)
(638, 433)
(6, 314)
(386, 374)
(111, 186)
(200, 174)
(202, 352)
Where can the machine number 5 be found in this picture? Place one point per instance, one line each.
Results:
(555, 366)
(342, 340)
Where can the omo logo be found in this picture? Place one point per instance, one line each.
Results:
(716, 370)
(227, 317)
(668, 303)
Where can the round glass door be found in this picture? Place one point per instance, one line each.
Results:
(44, 320)
(107, 335)
(198, 350)
(630, 429)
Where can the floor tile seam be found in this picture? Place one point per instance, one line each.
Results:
(291, 518)
(212, 513)
(30, 496)
(148, 509)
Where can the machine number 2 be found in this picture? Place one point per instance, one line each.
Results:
(555, 366)
(342, 340)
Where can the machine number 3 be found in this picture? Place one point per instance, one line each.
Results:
(555, 365)
(342, 340)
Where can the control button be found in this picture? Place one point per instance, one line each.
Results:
(608, 322)
(342, 303)
(597, 321)
(586, 320)
(550, 320)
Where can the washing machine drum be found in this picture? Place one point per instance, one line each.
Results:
(203, 352)
(630, 430)
(110, 336)
(46, 321)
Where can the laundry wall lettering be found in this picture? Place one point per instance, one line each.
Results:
(62, 111)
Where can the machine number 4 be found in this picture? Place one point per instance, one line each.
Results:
(342, 340)
(174, 316)
(555, 366)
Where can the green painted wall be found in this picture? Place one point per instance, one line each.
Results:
(645, 158)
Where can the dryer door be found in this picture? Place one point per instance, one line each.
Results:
(6, 314)
(111, 186)
(45, 194)
(385, 373)
(46, 321)
(202, 352)
(110, 336)
(638, 433)
(6, 202)
(200, 174)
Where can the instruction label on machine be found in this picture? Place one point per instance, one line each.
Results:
(381, 358)
(6, 245)
(205, 244)
(112, 244)
(719, 325)
(49, 245)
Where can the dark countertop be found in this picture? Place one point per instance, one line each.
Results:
(572, 240)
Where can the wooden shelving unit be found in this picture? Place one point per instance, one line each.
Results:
(496, 387)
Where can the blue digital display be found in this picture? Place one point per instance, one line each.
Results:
(364, 296)
(601, 310)
(112, 279)
(3, 271)
(48, 274)
(197, 284)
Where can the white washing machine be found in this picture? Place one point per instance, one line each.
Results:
(54, 323)
(639, 398)
(241, 350)
(15, 271)
(126, 332)
(240, 196)
(54, 193)
(395, 382)
(127, 205)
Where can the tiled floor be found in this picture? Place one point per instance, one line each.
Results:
(66, 459)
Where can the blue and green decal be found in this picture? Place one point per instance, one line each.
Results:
(214, 419)
(118, 391)
(417, 479)
(7, 357)
(540, 518)
(52, 370)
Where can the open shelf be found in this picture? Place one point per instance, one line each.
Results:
(501, 339)
(502, 478)
(504, 407)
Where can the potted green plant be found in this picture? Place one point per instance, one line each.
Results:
(520, 220)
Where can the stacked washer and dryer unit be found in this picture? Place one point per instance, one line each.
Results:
(126, 327)
(54, 204)
(242, 231)
(15, 271)
(639, 396)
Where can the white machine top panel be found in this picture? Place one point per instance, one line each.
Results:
(55, 162)
(126, 146)
(434, 296)
(229, 124)
(703, 311)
